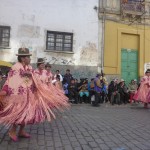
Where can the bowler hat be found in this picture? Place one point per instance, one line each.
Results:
(147, 71)
(40, 61)
(23, 52)
(48, 65)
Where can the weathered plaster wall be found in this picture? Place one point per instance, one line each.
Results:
(30, 20)
(80, 71)
(77, 71)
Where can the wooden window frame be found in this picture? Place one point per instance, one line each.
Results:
(56, 38)
(3, 36)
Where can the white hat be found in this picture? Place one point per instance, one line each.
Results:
(135, 80)
(122, 80)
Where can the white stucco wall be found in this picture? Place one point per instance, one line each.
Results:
(30, 19)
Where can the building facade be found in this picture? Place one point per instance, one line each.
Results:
(126, 37)
(65, 33)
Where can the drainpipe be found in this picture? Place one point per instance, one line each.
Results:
(103, 36)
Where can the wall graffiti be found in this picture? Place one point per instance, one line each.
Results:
(64, 61)
(53, 60)
(61, 61)
(67, 62)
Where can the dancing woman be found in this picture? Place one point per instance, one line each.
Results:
(27, 99)
(143, 93)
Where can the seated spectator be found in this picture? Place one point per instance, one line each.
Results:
(76, 81)
(83, 90)
(91, 88)
(114, 93)
(104, 79)
(58, 83)
(123, 90)
(72, 91)
(109, 90)
(97, 89)
(104, 91)
(133, 86)
(58, 73)
(65, 87)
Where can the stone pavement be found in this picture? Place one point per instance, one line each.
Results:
(84, 127)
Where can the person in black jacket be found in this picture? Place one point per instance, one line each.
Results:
(72, 91)
(113, 92)
(123, 90)
(68, 76)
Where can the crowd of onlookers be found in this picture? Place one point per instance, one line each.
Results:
(95, 91)
(120, 93)
(98, 90)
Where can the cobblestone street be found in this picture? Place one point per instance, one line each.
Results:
(84, 127)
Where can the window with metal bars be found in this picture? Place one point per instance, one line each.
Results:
(59, 41)
(4, 36)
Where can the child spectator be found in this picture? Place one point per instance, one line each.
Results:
(58, 83)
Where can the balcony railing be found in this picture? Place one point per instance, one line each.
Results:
(132, 7)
